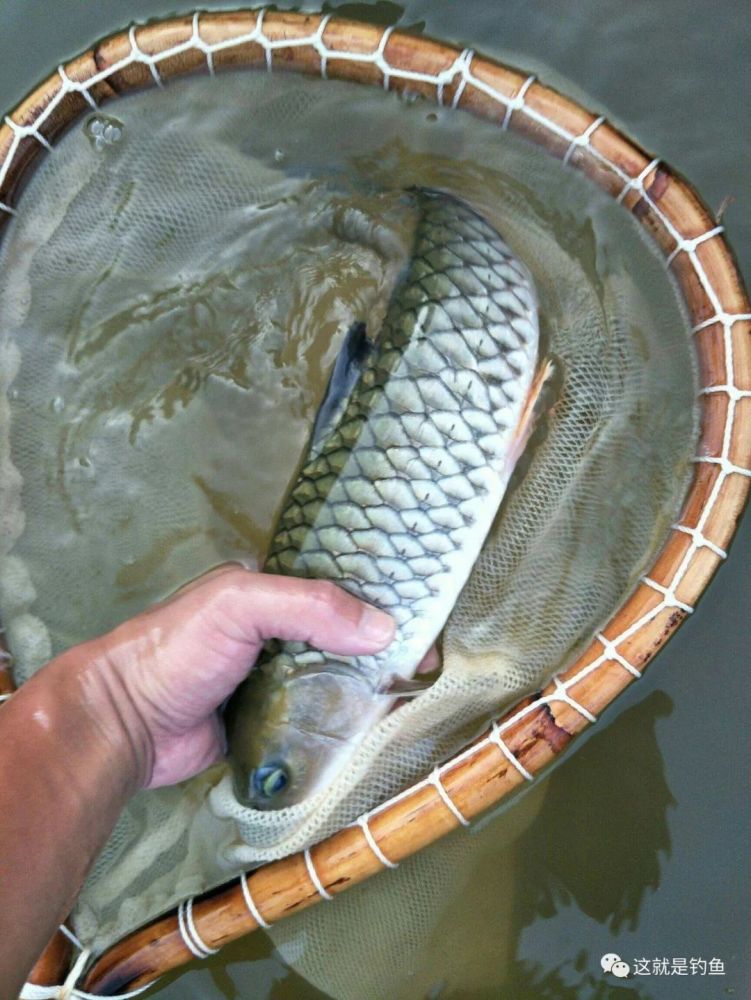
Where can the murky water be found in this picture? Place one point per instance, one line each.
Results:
(638, 844)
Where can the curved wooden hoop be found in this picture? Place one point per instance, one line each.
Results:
(535, 730)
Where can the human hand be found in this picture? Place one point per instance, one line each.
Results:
(170, 668)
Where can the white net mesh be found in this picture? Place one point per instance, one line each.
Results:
(182, 288)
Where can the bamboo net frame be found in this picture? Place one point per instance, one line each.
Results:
(535, 730)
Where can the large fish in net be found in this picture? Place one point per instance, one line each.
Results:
(400, 488)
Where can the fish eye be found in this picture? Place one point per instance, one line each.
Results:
(269, 780)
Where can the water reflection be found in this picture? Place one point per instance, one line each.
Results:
(602, 829)
(598, 844)
(571, 981)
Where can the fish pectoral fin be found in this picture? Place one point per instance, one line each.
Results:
(410, 687)
(355, 351)
(533, 406)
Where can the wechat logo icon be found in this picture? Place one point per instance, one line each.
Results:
(615, 965)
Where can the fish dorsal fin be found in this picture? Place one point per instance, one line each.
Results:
(355, 350)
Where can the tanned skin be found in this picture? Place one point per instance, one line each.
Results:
(136, 708)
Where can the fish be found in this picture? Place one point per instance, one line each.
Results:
(408, 462)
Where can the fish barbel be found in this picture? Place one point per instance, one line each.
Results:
(409, 460)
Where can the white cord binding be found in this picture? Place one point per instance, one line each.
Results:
(250, 903)
(362, 822)
(189, 933)
(435, 781)
(495, 737)
(320, 887)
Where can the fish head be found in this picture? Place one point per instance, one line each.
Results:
(292, 735)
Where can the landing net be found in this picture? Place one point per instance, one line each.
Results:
(127, 269)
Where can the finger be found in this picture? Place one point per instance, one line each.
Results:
(260, 606)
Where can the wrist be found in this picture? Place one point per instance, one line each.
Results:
(74, 751)
(89, 687)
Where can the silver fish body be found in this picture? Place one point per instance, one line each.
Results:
(396, 497)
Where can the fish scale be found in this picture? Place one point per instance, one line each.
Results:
(396, 498)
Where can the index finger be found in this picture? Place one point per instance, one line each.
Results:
(254, 607)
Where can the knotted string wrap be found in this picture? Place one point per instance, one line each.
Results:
(530, 735)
